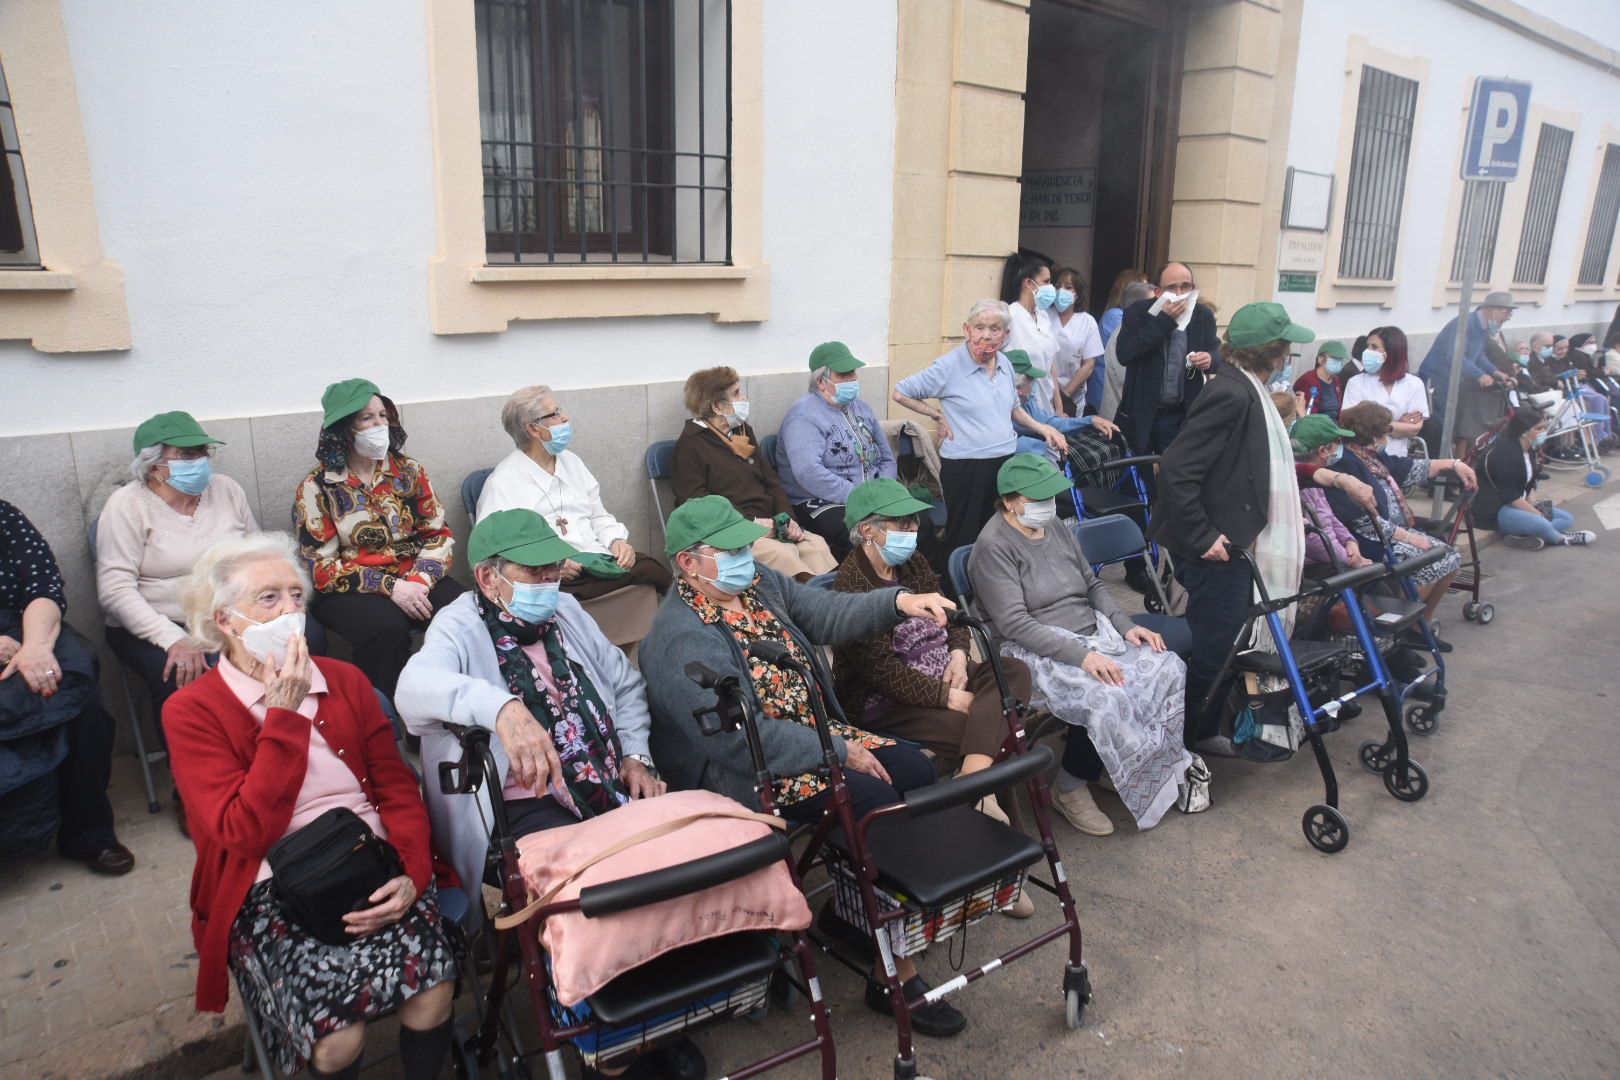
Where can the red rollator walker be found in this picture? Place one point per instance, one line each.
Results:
(916, 872)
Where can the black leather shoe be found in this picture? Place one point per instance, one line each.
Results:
(940, 1020)
(114, 861)
(678, 1060)
(1349, 711)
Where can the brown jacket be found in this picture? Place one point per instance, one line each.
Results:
(870, 666)
(705, 465)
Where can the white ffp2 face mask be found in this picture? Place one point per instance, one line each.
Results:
(1038, 515)
(268, 640)
(372, 442)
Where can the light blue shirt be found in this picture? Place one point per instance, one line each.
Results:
(979, 407)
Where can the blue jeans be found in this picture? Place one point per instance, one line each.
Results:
(1512, 521)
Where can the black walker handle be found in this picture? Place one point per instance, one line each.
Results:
(624, 894)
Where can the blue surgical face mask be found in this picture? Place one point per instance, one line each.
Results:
(533, 603)
(898, 547)
(738, 415)
(1521, 360)
(1338, 452)
(190, 477)
(1334, 365)
(733, 571)
(1065, 300)
(561, 436)
(1539, 439)
(1046, 296)
(1545, 352)
(1493, 326)
(1371, 361)
(846, 392)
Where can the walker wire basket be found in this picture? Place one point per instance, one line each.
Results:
(609, 1046)
(924, 924)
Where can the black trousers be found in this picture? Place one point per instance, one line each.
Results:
(906, 766)
(1080, 755)
(969, 488)
(86, 826)
(377, 629)
(1218, 598)
(827, 524)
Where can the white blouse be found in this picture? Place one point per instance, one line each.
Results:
(1033, 334)
(1407, 395)
(570, 499)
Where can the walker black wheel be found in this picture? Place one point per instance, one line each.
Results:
(1471, 610)
(1374, 756)
(1485, 614)
(1422, 719)
(1150, 604)
(1407, 782)
(1326, 829)
(1074, 1009)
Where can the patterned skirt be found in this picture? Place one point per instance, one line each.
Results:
(302, 989)
(1136, 728)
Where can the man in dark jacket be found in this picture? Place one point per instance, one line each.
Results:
(1214, 489)
(1165, 368)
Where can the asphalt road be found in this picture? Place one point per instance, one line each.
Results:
(1473, 934)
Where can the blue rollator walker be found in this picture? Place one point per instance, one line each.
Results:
(1128, 495)
(1299, 663)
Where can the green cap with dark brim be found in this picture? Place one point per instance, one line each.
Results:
(521, 536)
(710, 520)
(1031, 476)
(173, 429)
(884, 496)
(1257, 324)
(1315, 430)
(1023, 365)
(834, 356)
(1334, 349)
(344, 399)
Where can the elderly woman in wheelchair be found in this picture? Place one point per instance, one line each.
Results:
(1093, 667)
(723, 604)
(569, 712)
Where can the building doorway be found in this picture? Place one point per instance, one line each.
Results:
(1101, 99)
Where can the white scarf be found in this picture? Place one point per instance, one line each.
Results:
(1279, 550)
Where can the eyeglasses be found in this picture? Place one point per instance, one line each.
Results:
(544, 575)
(555, 414)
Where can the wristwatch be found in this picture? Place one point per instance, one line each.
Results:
(644, 759)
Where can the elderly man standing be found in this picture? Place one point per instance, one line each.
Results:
(1167, 358)
(1478, 373)
(832, 442)
(543, 475)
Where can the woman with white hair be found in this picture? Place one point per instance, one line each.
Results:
(268, 744)
(149, 536)
(545, 476)
(976, 388)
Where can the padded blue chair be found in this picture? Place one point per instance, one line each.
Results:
(660, 466)
(471, 488)
(1115, 538)
(772, 444)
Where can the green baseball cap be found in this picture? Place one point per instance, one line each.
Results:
(346, 398)
(521, 536)
(1256, 324)
(1022, 365)
(834, 356)
(173, 429)
(1031, 476)
(1335, 349)
(710, 520)
(882, 496)
(1316, 430)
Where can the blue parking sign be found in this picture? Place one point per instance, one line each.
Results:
(1496, 124)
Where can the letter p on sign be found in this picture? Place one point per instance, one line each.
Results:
(1496, 125)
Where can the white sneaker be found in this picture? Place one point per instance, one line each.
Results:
(1080, 807)
(990, 808)
(1579, 538)
(1523, 543)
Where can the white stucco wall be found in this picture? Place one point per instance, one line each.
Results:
(1459, 45)
(263, 174)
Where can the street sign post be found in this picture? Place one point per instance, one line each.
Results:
(1496, 124)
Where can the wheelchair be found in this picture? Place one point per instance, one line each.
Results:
(675, 994)
(891, 877)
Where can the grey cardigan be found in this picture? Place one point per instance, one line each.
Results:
(455, 679)
(1029, 586)
(721, 763)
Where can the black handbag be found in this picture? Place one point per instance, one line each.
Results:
(329, 868)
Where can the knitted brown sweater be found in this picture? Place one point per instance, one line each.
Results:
(870, 666)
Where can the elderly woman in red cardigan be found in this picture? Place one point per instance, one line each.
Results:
(262, 745)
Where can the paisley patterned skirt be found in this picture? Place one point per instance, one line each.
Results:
(302, 989)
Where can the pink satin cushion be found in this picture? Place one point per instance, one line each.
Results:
(587, 954)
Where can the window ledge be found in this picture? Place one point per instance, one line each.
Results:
(608, 272)
(36, 281)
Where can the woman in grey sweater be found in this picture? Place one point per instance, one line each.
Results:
(1092, 666)
(722, 602)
